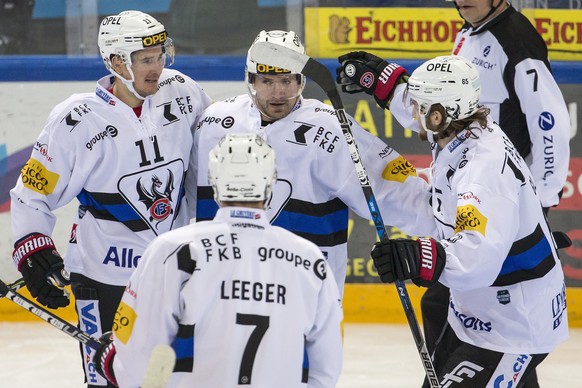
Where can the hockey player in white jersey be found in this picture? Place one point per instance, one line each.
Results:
(242, 302)
(492, 244)
(516, 84)
(123, 152)
(317, 183)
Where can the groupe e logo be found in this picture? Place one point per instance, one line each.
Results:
(110, 130)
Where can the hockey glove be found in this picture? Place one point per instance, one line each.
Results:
(421, 260)
(562, 240)
(43, 270)
(103, 358)
(361, 71)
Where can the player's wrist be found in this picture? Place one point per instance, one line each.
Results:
(30, 245)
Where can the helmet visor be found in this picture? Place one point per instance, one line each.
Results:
(154, 56)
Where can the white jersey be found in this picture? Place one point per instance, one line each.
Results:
(242, 303)
(524, 98)
(127, 173)
(506, 280)
(316, 179)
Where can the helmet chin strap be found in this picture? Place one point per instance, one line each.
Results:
(129, 82)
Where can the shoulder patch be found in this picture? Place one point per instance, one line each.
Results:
(398, 170)
(36, 177)
(469, 218)
(123, 322)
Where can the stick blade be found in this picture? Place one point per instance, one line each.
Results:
(275, 55)
(160, 367)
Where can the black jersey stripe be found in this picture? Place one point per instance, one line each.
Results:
(183, 345)
(111, 207)
(529, 258)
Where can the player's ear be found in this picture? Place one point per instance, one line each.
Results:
(437, 117)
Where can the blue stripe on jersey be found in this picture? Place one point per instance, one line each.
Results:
(528, 259)
(121, 212)
(184, 347)
(206, 209)
(322, 225)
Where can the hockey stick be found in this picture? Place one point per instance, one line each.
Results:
(16, 285)
(49, 317)
(285, 58)
(160, 367)
(162, 359)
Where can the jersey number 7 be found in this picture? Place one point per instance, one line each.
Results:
(261, 324)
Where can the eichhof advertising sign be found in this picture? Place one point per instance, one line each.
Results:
(422, 33)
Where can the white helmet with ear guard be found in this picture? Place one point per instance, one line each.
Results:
(451, 81)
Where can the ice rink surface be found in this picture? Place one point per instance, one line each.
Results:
(36, 355)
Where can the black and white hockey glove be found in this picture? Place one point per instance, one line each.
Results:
(364, 72)
(43, 269)
(421, 260)
(103, 358)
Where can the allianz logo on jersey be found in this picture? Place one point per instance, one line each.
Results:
(121, 257)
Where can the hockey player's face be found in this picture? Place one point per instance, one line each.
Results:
(276, 95)
(147, 66)
(474, 11)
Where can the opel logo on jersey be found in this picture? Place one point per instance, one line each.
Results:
(546, 121)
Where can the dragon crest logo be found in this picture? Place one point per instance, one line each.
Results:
(156, 195)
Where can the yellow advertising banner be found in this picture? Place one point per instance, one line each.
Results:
(561, 29)
(388, 32)
(422, 33)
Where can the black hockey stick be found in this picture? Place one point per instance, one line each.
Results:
(16, 285)
(162, 358)
(49, 317)
(285, 58)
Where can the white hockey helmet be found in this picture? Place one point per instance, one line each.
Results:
(451, 81)
(287, 39)
(241, 168)
(131, 31)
